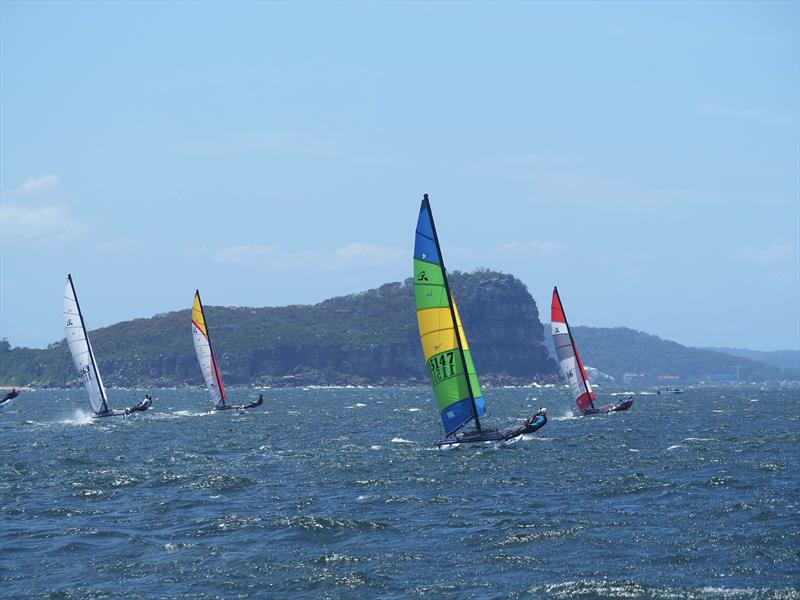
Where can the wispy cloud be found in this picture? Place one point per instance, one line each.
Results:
(748, 114)
(564, 178)
(532, 249)
(46, 223)
(34, 185)
(274, 258)
(768, 255)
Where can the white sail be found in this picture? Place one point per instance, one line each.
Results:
(205, 355)
(81, 350)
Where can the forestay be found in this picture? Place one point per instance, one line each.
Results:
(205, 353)
(81, 350)
(445, 348)
(568, 357)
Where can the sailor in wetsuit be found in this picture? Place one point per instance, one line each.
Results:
(542, 412)
(143, 405)
(9, 396)
(530, 425)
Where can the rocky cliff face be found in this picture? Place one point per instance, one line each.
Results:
(369, 337)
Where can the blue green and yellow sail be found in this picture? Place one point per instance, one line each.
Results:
(446, 351)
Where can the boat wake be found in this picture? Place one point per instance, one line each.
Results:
(79, 417)
(567, 416)
(189, 413)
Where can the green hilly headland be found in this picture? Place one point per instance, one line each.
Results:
(370, 338)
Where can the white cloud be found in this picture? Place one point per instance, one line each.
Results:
(368, 254)
(562, 178)
(49, 223)
(532, 249)
(768, 255)
(273, 258)
(34, 185)
(247, 254)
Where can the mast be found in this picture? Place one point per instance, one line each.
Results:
(88, 344)
(574, 348)
(453, 313)
(210, 346)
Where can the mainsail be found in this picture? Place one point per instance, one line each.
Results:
(205, 354)
(444, 345)
(81, 350)
(568, 357)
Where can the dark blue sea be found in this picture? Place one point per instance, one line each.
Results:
(338, 493)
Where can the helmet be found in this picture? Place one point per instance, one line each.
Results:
(543, 410)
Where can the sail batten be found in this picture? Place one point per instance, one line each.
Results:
(81, 350)
(205, 353)
(568, 357)
(444, 345)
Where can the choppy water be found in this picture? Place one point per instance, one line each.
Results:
(338, 493)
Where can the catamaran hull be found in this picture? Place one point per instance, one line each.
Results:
(604, 410)
(110, 413)
(254, 404)
(120, 412)
(492, 435)
(623, 406)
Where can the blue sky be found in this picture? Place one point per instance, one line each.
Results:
(644, 157)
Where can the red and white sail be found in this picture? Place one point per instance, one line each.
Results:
(568, 357)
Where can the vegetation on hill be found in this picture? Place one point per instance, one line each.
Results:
(786, 360)
(370, 337)
(619, 350)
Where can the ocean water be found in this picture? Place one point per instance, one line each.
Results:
(338, 493)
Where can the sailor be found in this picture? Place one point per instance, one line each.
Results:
(143, 405)
(542, 412)
(10, 395)
(530, 425)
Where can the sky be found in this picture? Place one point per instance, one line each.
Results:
(644, 157)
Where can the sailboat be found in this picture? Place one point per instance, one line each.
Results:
(82, 355)
(208, 360)
(449, 360)
(572, 367)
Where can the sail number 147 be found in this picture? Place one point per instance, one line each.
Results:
(442, 366)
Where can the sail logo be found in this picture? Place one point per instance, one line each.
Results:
(571, 374)
(556, 330)
(423, 276)
(86, 372)
(69, 322)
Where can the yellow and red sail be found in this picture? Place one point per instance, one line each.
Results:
(205, 352)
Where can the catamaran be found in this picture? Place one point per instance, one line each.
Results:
(444, 345)
(572, 367)
(82, 355)
(208, 360)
